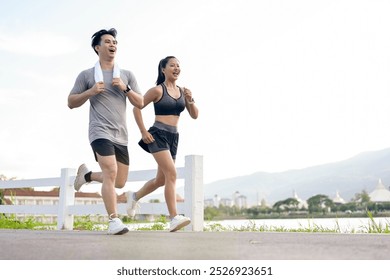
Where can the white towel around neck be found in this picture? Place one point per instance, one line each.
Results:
(99, 73)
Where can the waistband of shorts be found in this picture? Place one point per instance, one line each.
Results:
(166, 127)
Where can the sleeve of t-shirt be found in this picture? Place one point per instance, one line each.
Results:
(133, 82)
(80, 85)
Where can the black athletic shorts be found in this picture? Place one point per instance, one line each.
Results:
(166, 138)
(105, 147)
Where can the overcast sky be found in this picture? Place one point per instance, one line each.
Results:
(279, 84)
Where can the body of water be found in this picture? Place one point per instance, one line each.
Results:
(344, 225)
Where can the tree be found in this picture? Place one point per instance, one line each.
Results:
(350, 206)
(287, 204)
(255, 211)
(362, 199)
(210, 213)
(319, 203)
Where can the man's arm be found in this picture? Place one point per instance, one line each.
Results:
(76, 100)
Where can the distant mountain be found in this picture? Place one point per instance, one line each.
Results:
(348, 177)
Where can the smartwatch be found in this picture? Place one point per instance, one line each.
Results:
(128, 88)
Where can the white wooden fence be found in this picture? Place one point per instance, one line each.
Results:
(192, 207)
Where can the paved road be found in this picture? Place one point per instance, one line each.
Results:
(159, 245)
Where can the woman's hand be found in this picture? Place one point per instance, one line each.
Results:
(187, 95)
(147, 137)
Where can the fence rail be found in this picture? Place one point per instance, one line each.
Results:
(192, 207)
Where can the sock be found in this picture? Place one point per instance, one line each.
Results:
(87, 176)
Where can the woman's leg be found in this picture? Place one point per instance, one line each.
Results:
(167, 167)
(151, 185)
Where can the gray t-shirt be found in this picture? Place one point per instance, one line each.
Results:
(107, 113)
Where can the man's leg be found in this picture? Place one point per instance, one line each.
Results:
(121, 175)
(109, 173)
(107, 177)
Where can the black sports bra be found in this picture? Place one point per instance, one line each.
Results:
(167, 105)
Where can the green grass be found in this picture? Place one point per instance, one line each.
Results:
(85, 223)
(11, 222)
(373, 227)
(159, 224)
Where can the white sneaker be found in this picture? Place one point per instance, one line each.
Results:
(132, 204)
(179, 222)
(116, 227)
(80, 179)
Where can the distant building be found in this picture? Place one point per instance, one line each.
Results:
(380, 193)
(301, 203)
(239, 200)
(227, 202)
(212, 202)
(32, 197)
(263, 203)
(29, 196)
(338, 199)
(216, 200)
(208, 202)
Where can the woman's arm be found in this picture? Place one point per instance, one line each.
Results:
(190, 103)
(151, 95)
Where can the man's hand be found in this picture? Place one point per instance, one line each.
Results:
(117, 82)
(98, 88)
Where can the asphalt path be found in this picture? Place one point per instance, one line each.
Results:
(182, 245)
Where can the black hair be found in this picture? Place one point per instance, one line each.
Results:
(161, 66)
(96, 38)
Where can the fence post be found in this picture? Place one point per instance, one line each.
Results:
(64, 220)
(193, 191)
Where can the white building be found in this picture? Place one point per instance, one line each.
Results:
(226, 202)
(380, 193)
(301, 203)
(239, 200)
(212, 202)
(208, 202)
(31, 197)
(338, 199)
